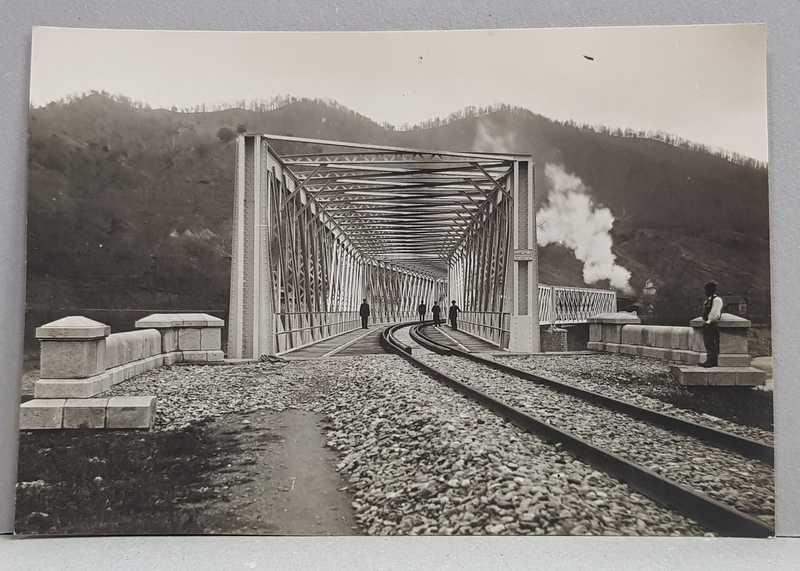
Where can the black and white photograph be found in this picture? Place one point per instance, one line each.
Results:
(457, 282)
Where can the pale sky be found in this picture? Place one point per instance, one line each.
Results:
(703, 83)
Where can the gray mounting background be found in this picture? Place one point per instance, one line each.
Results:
(783, 22)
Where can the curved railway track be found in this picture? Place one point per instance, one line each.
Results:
(713, 514)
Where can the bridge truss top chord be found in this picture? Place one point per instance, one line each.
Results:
(410, 207)
(320, 225)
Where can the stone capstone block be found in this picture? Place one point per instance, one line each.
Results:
(41, 414)
(73, 327)
(131, 412)
(189, 339)
(194, 319)
(85, 413)
(71, 359)
(160, 321)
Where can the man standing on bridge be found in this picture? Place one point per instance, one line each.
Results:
(453, 315)
(422, 310)
(364, 313)
(712, 311)
(437, 311)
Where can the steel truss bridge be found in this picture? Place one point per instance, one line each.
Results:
(324, 224)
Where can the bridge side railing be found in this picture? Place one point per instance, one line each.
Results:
(300, 328)
(557, 305)
(561, 304)
(490, 326)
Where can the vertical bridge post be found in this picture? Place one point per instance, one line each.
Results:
(524, 290)
(251, 316)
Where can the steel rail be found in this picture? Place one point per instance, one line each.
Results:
(719, 438)
(712, 514)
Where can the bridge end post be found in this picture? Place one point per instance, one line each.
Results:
(524, 274)
(250, 318)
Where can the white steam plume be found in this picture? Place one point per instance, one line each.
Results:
(570, 218)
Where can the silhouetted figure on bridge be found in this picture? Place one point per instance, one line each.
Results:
(422, 310)
(364, 313)
(712, 311)
(437, 313)
(453, 315)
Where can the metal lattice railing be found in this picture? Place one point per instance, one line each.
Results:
(564, 305)
(490, 326)
(558, 305)
(299, 328)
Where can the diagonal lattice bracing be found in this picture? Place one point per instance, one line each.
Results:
(315, 233)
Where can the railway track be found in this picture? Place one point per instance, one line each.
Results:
(744, 456)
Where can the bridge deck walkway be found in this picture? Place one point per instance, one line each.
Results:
(463, 340)
(355, 342)
(367, 342)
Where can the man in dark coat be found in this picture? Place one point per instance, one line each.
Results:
(453, 315)
(364, 313)
(437, 312)
(712, 311)
(422, 310)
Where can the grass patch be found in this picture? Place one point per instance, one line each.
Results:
(114, 482)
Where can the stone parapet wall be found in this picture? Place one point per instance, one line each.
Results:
(187, 337)
(623, 333)
(81, 358)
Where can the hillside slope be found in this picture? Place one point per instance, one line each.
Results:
(131, 208)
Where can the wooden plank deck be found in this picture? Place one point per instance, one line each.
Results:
(464, 340)
(356, 342)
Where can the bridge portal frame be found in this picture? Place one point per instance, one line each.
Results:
(297, 276)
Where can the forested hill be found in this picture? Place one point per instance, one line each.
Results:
(131, 207)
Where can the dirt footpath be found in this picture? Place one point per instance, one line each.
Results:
(280, 477)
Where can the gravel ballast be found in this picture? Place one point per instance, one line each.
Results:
(743, 483)
(419, 458)
(626, 378)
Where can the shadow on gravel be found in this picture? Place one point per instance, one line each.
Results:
(741, 405)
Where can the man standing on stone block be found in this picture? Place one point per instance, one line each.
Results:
(364, 313)
(712, 311)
